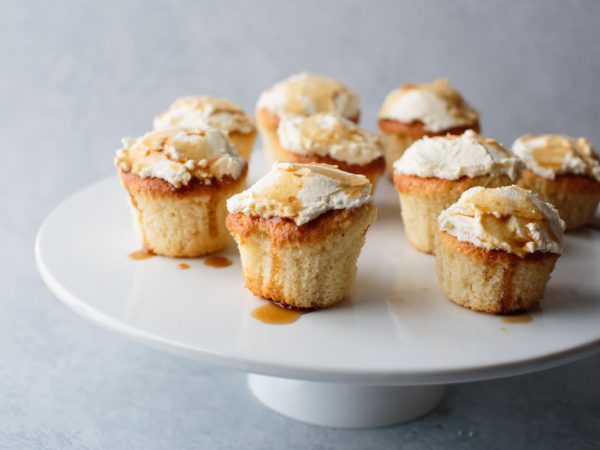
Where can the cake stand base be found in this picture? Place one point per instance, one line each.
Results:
(345, 405)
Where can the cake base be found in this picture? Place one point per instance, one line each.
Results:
(266, 124)
(345, 405)
(492, 281)
(311, 266)
(184, 222)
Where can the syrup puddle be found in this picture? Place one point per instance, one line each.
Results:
(275, 315)
(141, 254)
(520, 318)
(217, 261)
(184, 266)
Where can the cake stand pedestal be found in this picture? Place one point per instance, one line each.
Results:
(344, 405)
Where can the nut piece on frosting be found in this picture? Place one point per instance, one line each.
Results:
(496, 248)
(330, 139)
(178, 181)
(564, 171)
(434, 172)
(303, 94)
(299, 230)
(417, 110)
(206, 113)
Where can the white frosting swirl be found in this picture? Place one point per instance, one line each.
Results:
(204, 113)
(453, 157)
(508, 218)
(437, 105)
(549, 155)
(301, 192)
(327, 134)
(306, 94)
(177, 156)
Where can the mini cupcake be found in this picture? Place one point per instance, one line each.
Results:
(299, 230)
(418, 110)
(496, 248)
(205, 113)
(434, 172)
(563, 171)
(178, 182)
(330, 139)
(303, 94)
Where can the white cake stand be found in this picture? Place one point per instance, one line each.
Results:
(381, 357)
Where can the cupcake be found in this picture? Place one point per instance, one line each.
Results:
(303, 94)
(496, 248)
(418, 110)
(563, 171)
(434, 172)
(205, 113)
(299, 230)
(330, 139)
(178, 182)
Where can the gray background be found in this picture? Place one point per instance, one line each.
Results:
(77, 76)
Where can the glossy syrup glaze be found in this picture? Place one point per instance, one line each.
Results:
(217, 261)
(275, 315)
(141, 254)
(519, 318)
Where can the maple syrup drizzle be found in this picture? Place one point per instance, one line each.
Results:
(217, 261)
(184, 266)
(275, 315)
(138, 255)
(519, 318)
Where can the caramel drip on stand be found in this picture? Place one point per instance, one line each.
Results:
(275, 315)
(141, 254)
(521, 318)
(217, 261)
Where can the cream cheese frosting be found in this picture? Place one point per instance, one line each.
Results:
(327, 134)
(437, 105)
(452, 157)
(306, 94)
(205, 113)
(301, 192)
(508, 218)
(549, 155)
(178, 156)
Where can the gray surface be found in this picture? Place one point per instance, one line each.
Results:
(75, 77)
